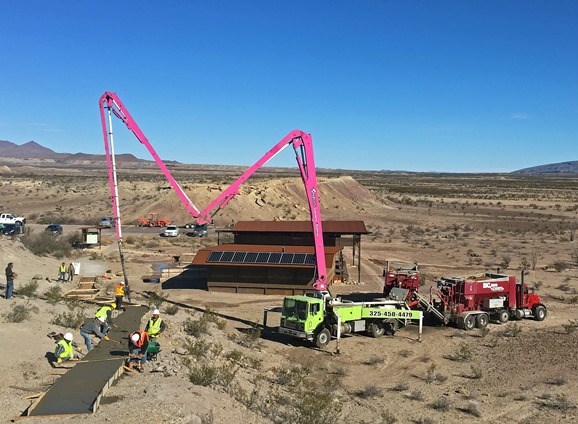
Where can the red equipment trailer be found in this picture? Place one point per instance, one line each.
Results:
(471, 302)
(401, 275)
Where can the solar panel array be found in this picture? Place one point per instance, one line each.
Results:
(262, 258)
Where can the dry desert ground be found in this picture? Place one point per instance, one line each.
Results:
(215, 367)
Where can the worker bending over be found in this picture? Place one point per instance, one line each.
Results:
(106, 313)
(155, 326)
(64, 350)
(91, 327)
(138, 343)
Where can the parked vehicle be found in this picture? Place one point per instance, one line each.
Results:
(153, 220)
(474, 301)
(8, 218)
(54, 229)
(10, 229)
(171, 231)
(107, 221)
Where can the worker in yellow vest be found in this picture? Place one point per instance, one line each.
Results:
(106, 313)
(64, 350)
(62, 270)
(155, 326)
(119, 294)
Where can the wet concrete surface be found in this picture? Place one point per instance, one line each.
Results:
(77, 390)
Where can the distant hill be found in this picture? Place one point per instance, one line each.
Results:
(33, 150)
(552, 168)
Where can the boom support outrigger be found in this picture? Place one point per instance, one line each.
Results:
(300, 141)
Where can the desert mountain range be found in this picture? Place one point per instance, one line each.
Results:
(33, 150)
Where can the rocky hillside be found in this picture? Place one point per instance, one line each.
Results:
(552, 168)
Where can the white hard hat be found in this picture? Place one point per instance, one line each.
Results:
(135, 337)
(101, 319)
(68, 336)
(122, 282)
(156, 312)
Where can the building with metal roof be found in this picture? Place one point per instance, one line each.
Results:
(263, 269)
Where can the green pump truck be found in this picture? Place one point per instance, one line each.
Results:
(318, 317)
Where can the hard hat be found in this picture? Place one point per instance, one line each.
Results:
(101, 319)
(113, 305)
(68, 336)
(122, 282)
(135, 337)
(156, 312)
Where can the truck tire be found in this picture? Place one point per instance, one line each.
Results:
(539, 313)
(376, 329)
(322, 338)
(390, 327)
(482, 321)
(469, 322)
(503, 316)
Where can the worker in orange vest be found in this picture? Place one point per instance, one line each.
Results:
(138, 343)
(119, 295)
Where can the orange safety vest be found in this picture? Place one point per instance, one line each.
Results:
(142, 338)
(119, 291)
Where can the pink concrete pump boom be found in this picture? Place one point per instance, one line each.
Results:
(300, 141)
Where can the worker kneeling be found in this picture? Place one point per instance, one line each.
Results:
(138, 344)
(64, 350)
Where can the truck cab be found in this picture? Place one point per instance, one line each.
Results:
(301, 316)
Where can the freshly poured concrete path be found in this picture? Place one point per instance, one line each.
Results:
(79, 390)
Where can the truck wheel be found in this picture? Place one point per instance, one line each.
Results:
(539, 313)
(322, 338)
(376, 329)
(469, 322)
(390, 327)
(503, 316)
(482, 320)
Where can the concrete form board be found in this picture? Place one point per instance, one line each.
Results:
(80, 389)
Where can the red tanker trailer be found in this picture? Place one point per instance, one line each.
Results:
(471, 302)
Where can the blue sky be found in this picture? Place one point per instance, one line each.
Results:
(478, 86)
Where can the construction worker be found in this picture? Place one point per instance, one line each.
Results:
(155, 326)
(119, 294)
(106, 312)
(64, 350)
(63, 270)
(138, 343)
(90, 327)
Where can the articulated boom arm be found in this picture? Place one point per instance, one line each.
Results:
(114, 105)
(301, 142)
(303, 146)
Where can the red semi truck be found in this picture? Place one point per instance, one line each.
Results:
(469, 302)
(473, 301)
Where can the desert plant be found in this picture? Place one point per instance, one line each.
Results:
(484, 332)
(573, 299)
(473, 407)
(400, 387)
(424, 420)
(18, 313)
(441, 404)
(53, 295)
(370, 391)
(559, 266)
(433, 376)
(476, 372)
(374, 360)
(29, 289)
(197, 348)
(45, 244)
(405, 353)
(195, 327)
(416, 395)
(211, 375)
(250, 337)
(512, 330)
(505, 262)
(571, 326)
(171, 310)
(558, 402)
(312, 407)
(156, 299)
(71, 319)
(557, 381)
(211, 316)
(291, 377)
(463, 354)
(538, 284)
(388, 417)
